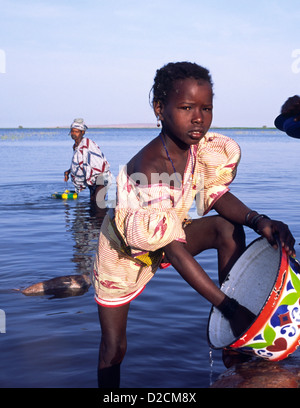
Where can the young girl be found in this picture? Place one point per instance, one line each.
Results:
(150, 228)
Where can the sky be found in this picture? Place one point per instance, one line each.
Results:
(96, 59)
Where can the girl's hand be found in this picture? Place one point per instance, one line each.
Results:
(277, 230)
(241, 320)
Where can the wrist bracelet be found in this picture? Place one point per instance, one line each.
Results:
(247, 217)
(228, 307)
(255, 221)
(252, 223)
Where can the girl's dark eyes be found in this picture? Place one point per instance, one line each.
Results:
(188, 108)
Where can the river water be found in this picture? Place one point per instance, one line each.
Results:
(52, 341)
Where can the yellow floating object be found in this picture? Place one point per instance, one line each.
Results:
(66, 195)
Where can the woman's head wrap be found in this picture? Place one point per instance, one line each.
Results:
(79, 124)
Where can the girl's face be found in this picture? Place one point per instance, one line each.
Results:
(187, 114)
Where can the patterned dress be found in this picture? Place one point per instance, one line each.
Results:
(149, 217)
(89, 166)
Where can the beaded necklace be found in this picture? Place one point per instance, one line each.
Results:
(193, 164)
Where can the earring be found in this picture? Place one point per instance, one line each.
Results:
(158, 123)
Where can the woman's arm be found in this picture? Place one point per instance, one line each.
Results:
(66, 175)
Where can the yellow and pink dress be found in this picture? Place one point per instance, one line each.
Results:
(149, 217)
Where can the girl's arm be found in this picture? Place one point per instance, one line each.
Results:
(239, 317)
(233, 209)
(193, 273)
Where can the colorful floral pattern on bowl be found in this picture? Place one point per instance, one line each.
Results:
(275, 333)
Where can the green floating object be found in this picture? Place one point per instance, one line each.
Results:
(66, 195)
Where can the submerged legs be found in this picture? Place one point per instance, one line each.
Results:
(113, 344)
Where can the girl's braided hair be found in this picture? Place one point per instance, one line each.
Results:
(168, 74)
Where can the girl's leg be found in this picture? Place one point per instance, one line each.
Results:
(113, 344)
(216, 232)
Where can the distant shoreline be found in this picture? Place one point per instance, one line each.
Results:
(137, 126)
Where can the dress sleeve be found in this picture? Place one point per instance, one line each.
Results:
(77, 175)
(146, 217)
(219, 158)
(89, 166)
(152, 230)
(94, 162)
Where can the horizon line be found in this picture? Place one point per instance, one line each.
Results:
(131, 126)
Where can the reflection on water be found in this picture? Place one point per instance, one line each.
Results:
(84, 222)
